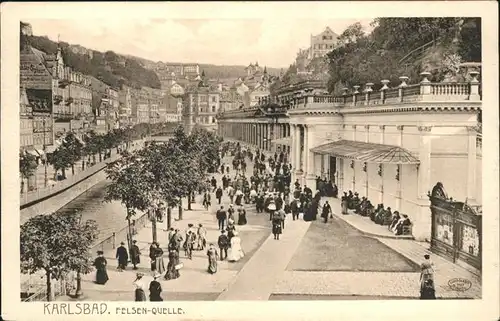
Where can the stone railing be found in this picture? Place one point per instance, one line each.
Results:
(425, 91)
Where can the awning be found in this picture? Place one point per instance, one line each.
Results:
(31, 152)
(367, 152)
(283, 141)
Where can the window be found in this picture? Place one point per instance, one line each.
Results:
(213, 120)
(213, 109)
(214, 99)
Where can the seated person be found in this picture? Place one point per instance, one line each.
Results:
(368, 210)
(386, 218)
(395, 219)
(361, 205)
(404, 221)
(376, 213)
(355, 201)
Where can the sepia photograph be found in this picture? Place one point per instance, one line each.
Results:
(249, 159)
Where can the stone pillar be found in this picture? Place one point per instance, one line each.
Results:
(474, 86)
(310, 157)
(297, 148)
(424, 170)
(268, 141)
(291, 155)
(399, 171)
(471, 166)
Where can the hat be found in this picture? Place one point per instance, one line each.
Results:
(122, 243)
(139, 274)
(156, 275)
(100, 252)
(134, 241)
(235, 233)
(223, 231)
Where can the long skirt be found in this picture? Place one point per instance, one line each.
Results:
(159, 265)
(212, 265)
(242, 219)
(101, 276)
(172, 273)
(277, 228)
(140, 295)
(155, 297)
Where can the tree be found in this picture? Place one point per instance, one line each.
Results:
(74, 148)
(27, 167)
(351, 34)
(61, 159)
(130, 184)
(470, 40)
(57, 243)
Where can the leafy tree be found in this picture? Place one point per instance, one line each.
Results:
(470, 40)
(131, 185)
(74, 148)
(57, 243)
(27, 167)
(61, 159)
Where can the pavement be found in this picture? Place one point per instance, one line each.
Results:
(312, 260)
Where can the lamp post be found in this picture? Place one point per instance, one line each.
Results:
(45, 153)
(79, 292)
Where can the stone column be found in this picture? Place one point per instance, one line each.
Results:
(424, 170)
(399, 171)
(291, 156)
(310, 157)
(471, 165)
(268, 141)
(296, 149)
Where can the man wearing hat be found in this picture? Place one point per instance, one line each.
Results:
(223, 243)
(122, 257)
(221, 217)
(135, 254)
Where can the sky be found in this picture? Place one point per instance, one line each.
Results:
(270, 41)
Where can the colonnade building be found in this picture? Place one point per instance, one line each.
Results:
(391, 145)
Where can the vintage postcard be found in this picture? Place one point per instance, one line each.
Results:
(250, 161)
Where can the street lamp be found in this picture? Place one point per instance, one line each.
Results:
(46, 180)
(79, 292)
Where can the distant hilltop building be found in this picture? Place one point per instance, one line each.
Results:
(323, 43)
(180, 73)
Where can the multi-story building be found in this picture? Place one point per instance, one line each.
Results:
(230, 100)
(201, 106)
(38, 83)
(391, 146)
(169, 73)
(26, 121)
(323, 43)
(125, 101)
(105, 104)
(142, 113)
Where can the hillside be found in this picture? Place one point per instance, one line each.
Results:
(113, 69)
(393, 50)
(211, 71)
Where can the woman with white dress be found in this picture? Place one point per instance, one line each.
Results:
(140, 295)
(235, 252)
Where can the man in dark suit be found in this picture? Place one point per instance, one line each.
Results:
(223, 243)
(221, 217)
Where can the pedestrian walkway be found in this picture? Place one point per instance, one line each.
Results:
(414, 251)
(257, 278)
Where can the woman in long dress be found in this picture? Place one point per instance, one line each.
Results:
(173, 260)
(159, 264)
(155, 289)
(101, 276)
(212, 259)
(277, 228)
(140, 295)
(242, 216)
(235, 252)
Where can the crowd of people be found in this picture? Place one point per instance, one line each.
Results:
(269, 188)
(399, 224)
